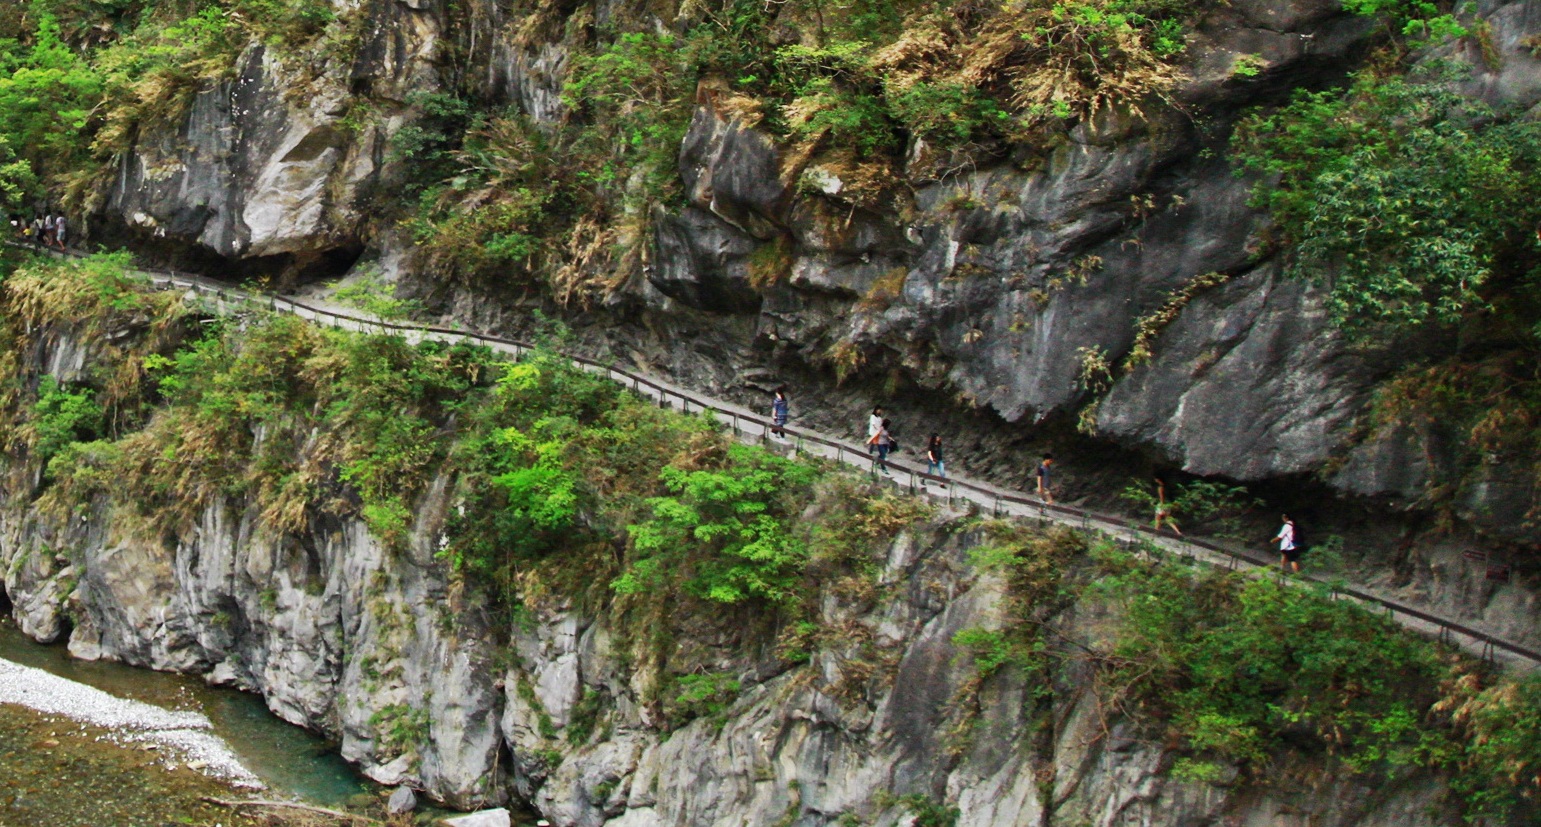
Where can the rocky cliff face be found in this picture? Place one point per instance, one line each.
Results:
(991, 290)
(977, 308)
(388, 652)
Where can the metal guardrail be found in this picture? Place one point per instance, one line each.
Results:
(1489, 644)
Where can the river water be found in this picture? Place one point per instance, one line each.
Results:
(56, 772)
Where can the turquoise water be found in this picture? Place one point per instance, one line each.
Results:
(289, 759)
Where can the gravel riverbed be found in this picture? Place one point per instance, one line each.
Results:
(182, 738)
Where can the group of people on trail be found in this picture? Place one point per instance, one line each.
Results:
(881, 443)
(880, 439)
(48, 230)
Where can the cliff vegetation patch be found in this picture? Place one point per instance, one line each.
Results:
(1413, 208)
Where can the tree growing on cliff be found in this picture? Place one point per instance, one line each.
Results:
(728, 526)
(47, 92)
(1412, 204)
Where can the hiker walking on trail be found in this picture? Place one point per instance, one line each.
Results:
(1289, 548)
(1045, 480)
(934, 461)
(1163, 510)
(881, 442)
(59, 232)
(779, 411)
(874, 424)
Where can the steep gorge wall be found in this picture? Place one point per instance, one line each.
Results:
(973, 310)
(389, 652)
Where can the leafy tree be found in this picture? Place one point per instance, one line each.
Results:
(63, 416)
(1411, 203)
(728, 526)
(45, 103)
(1237, 666)
(18, 183)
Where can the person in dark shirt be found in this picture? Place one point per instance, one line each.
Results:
(1045, 481)
(779, 410)
(934, 460)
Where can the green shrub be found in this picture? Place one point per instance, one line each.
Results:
(927, 812)
(728, 528)
(1236, 668)
(703, 696)
(1405, 199)
(62, 417)
(989, 649)
(1497, 757)
(1195, 503)
(1421, 21)
(947, 113)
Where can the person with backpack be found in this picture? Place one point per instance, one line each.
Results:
(1290, 546)
(59, 232)
(882, 443)
(874, 424)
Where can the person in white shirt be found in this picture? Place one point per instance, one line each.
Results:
(1289, 553)
(874, 424)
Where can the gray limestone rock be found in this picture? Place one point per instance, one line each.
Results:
(403, 800)
(733, 173)
(484, 818)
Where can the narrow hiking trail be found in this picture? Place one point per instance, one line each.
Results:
(755, 426)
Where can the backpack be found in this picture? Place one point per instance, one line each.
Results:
(1300, 541)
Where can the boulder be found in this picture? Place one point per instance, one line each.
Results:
(485, 818)
(403, 800)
